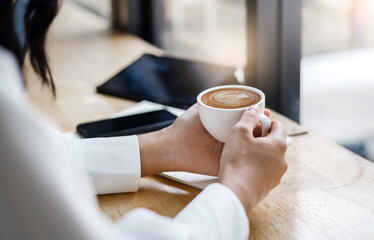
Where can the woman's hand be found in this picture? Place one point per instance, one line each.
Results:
(183, 146)
(194, 149)
(251, 167)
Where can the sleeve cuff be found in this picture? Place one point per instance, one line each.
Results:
(113, 163)
(220, 211)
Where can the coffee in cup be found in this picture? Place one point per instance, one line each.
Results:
(230, 98)
(220, 108)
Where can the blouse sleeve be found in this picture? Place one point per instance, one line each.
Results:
(113, 163)
(216, 213)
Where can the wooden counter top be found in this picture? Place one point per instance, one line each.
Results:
(327, 193)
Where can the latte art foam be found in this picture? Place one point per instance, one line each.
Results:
(230, 98)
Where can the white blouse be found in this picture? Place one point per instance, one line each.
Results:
(48, 184)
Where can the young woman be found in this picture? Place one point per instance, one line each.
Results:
(48, 184)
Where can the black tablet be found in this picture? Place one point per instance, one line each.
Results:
(167, 80)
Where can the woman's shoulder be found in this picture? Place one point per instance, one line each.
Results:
(11, 84)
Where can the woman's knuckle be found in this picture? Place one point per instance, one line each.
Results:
(252, 114)
(241, 128)
(235, 128)
(282, 144)
(285, 167)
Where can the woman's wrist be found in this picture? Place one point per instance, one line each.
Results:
(241, 189)
(156, 153)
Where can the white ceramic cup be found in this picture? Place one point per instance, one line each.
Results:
(219, 121)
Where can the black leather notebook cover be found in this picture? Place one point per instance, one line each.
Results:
(167, 80)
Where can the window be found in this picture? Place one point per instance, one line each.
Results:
(260, 36)
(337, 72)
(207, 30)
(100, 7)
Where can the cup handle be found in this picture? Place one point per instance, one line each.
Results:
(265, 124)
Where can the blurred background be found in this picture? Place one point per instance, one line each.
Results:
(337, 64)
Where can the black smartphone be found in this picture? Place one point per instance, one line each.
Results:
(128, 125)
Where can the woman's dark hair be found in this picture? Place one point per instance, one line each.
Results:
(38, 17)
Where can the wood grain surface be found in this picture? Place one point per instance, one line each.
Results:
(327, 193)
